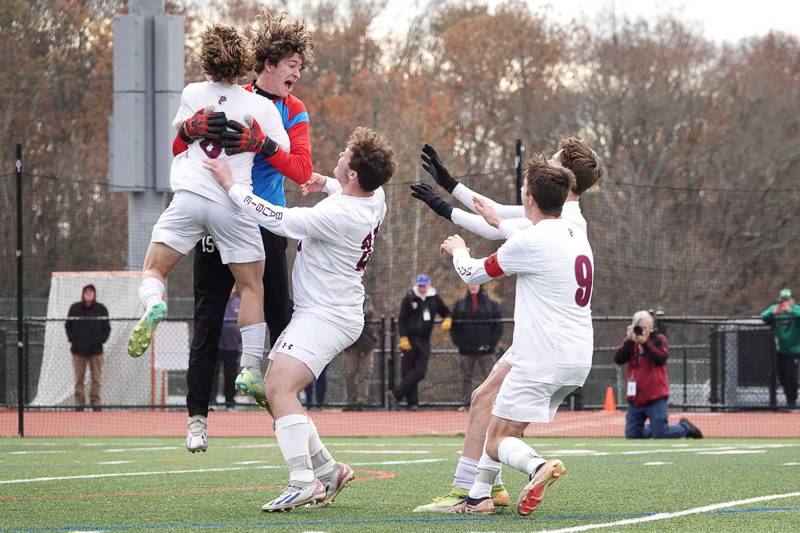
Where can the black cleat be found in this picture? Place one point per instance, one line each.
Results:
(692, 431)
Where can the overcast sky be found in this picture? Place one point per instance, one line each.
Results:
(722, 20)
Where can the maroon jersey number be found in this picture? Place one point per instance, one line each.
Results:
(583, 275)
(367, 245)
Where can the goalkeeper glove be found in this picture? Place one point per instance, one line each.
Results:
(248, 138)
(205, 124)
(405, 344)
(434, 166)
(424, 192)
(447, 323)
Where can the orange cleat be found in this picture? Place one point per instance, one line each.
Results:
(532, 494)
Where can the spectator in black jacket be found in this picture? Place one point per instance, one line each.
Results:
(417, 311)
(476, 331)
(87, 329)
(358, 361)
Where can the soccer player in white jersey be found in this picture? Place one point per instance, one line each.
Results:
(577, 156)
(551, 352)
(337, 237)
(200, 206)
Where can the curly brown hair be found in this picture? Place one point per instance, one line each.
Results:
(278, 38)
(582, 161)
(224, 54)
(548, 184)
(371, 158)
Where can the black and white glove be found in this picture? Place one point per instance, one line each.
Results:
(424, 192)
(434, 166)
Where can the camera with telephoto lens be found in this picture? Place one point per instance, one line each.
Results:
(637, 330)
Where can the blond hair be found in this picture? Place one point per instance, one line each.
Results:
(643, 315)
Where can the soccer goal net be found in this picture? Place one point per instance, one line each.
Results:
(124, 380)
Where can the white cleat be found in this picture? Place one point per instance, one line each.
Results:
(196, 440)
(342, 476)
(293, 497)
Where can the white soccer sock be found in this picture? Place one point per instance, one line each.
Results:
(324, 465)
(515, 453)
(292, 434)
(151, 291)
(487, 470)
(466, 472)
(253, 337)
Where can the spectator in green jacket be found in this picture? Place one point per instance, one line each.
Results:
(784, 319)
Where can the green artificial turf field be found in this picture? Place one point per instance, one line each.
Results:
(137, 484)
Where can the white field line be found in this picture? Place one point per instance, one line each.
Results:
(389, 452)
(31, 452)
(113, 462)
(149, 449)
(641, 448)
(709, 450)
(732, 452)
(196, 471)
(244, 447)
(677, 514)
(657, 463)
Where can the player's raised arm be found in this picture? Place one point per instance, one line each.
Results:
(320, 183)
(513, 257)
(472, 271)
(295, 222)
(433, 165)
(469, 221)
(467, 196)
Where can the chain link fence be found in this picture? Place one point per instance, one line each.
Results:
(713, 364)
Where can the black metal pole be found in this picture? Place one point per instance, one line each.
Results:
(392, 352)
(685, 376)
(715, 354)
(20, 345)
(773, 378)
(518, 168)
(382, 369)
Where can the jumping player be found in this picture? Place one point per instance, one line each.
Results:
(200, 206)
(337, 237)
(575, 155)
(283, 49)
(551, 353)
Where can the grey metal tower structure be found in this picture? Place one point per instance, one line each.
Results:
(148, 80)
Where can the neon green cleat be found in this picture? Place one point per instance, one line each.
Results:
(500, 497)
(251, 384)
(441, 503)
(142, 334)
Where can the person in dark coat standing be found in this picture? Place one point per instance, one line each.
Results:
(358, 361)
(476, 332)
(87, 328)
(417, 310)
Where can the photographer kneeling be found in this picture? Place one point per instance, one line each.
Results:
(647, 383)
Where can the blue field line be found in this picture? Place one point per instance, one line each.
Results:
(357, 522)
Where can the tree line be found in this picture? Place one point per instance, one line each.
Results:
(701, 140)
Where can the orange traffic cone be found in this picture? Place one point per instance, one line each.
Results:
(610, 404)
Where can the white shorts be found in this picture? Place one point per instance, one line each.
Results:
(190, 216)
(523, 400)
(314, 341)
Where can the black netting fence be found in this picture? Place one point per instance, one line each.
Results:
(684, 252)
(713, 364)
